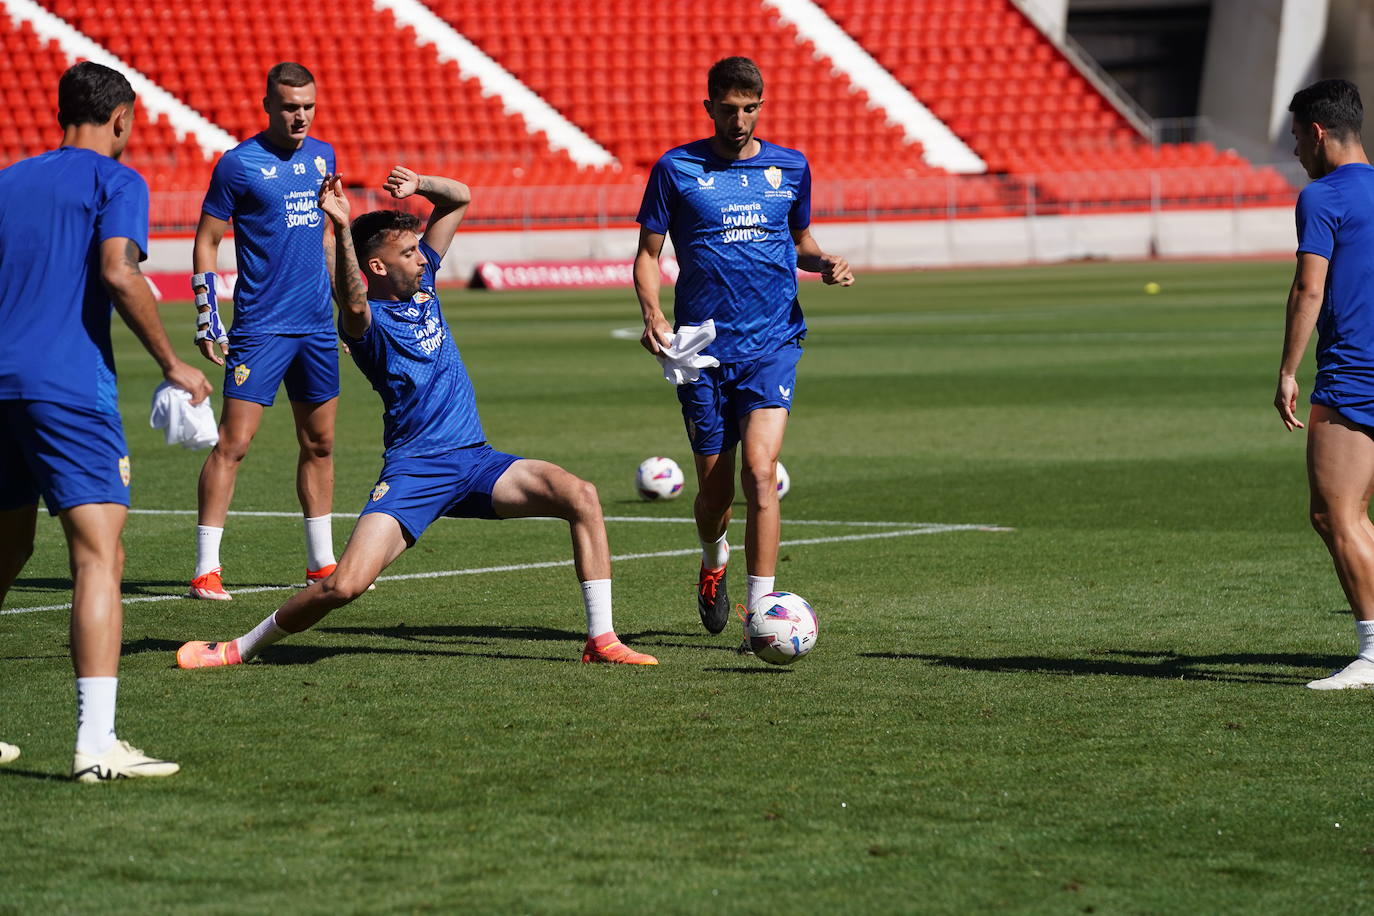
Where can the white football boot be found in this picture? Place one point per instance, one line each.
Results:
(8, 753)
(121, 761)
(1354, 676)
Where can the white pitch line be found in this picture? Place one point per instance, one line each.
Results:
(609, 518)
(550, 564)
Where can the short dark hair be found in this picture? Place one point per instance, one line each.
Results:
(288, 73)
(89, 93)
(1334, 104)
(733, 73)
(371, 229)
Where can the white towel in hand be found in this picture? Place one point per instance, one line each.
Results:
(681, 359)
(187, 426)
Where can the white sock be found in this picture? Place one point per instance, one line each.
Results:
(758, 587)
(596, 597)
(319, 542)
(715, 554)
(95, 713)
(207, 548)
(260, 637)
(1365, 630)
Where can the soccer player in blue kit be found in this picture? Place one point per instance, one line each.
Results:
(283, 320)
(437, 461)
(73, 229)
(738, 209)
(1333, 290)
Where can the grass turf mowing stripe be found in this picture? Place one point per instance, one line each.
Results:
(609, 518)
(927, 528)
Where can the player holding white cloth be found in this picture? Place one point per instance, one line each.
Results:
(739, 211)
(73, 229)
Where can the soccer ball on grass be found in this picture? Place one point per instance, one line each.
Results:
(784, 480)
(781, 628)
(658, 479)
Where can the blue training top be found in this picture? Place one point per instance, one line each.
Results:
(731, 223)
(270, 193)
(55, 211)
(1335, 217)
(409, 355)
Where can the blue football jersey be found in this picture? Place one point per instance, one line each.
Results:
(1334, 221)
(409, 355)
(270, 194)
(731, 223)
(55, 210)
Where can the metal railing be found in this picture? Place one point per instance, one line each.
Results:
(1092, 71)
(940, 197)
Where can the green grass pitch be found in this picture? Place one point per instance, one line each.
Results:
(1098, 710)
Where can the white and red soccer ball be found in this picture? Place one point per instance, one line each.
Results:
(781, 628)
(658, 478)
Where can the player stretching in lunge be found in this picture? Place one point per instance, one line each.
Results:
(437, 462)
(283, 321)
(73, 229)
(738, 209)
(1333, 289)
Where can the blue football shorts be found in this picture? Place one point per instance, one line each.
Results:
(259, 363)
(416, 491)
(714, 405)
(68, 455)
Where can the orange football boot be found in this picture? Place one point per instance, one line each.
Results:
(209, 654)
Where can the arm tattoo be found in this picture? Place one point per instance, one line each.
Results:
(131, 253)
(352, 292)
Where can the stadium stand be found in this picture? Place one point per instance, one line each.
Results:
(985, 70)
(631, 76)
(29, 105)
(636, 87)
(383, 99)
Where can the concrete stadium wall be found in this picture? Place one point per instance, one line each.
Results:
(895, 244)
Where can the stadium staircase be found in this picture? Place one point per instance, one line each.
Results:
(984, 69)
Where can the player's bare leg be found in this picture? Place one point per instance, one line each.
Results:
(238, 424)
(315, 465)
(712, 511)
(16, 535)
(97, 565)
(376, 542)
(761, 442)
(315, 482)
(1340, 468)
(761, 434)
(531, 488)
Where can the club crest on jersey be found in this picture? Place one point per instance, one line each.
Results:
(324, 166)
(241, 372)
(380, 490)
(422, 297)
(774, 176)
(124, 470)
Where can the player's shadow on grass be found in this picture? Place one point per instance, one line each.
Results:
(658, 639)
(450, 640)
(429, 642)
(129, 587)
(1166, 665)
(34, 774)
